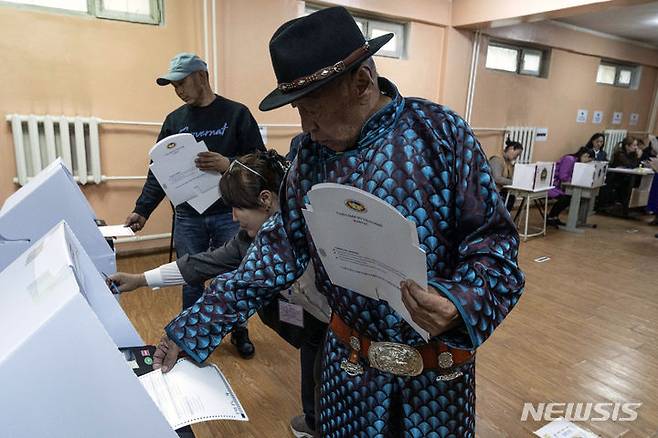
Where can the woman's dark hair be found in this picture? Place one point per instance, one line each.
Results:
(513, 144)
(592, 138)
(249, 175)
(584, 150)
(626, 141)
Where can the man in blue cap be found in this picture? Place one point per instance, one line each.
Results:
(379, 378)
(229, 130)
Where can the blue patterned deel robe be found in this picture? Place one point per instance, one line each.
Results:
(424, 160)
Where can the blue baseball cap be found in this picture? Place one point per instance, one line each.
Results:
(180, 67)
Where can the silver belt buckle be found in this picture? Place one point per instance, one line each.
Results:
(394, 358)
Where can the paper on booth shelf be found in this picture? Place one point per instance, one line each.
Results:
(191, 394)
(174, 168)
(365, 244)
(116, 231)
(562, 428)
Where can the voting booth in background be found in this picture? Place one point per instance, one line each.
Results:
(61, 372)
(589, 174)
(533, 176)
(50, 197)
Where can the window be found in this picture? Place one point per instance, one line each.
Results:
(69, 5)
(516, 59)
(619, 75)
(373, 28)
(138, 11)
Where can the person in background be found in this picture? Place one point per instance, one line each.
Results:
(596, 143)
(650, 150)
(502, 169)
(228, 129)
(563, 173)
(250, 187)
(626, 154)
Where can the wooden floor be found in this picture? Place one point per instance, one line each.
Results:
(586, 330)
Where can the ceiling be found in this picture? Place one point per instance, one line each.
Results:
(638, 23)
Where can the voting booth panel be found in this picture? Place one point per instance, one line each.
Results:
(533, 176)
(589, 174)
(50, 197)
(61, 372)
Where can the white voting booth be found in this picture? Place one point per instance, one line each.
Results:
(589, 174)
(50, 197)
(61, 373)
(533, 176)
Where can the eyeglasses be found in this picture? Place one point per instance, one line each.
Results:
(236, 161)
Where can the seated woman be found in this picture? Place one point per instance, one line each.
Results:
(250, 187)
(563, 173)
(596, 143)
(626, 154)
(502, 168)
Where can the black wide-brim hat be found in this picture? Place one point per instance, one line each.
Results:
(309, 52)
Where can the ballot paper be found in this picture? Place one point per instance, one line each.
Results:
(365, 244)
(190, 394)
(562, 428)
(116, 231)
(174, 168)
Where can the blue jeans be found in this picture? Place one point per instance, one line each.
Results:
(194, 233)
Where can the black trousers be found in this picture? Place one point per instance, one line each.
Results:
(560, 205)
(310, 354)
(510, 201)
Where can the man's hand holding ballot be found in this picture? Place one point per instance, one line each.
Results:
(428, 308)
(367, 246)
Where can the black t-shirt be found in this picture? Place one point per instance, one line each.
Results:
(225, 126)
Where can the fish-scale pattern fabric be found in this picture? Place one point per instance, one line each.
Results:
(422, 159)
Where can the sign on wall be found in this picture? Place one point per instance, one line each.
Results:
(597, 117)
(541, 134)
(635, 118)
(616, 118)
(581, 116)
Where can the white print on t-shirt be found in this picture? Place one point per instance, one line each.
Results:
(207, 132)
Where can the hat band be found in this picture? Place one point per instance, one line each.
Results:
(325, 72)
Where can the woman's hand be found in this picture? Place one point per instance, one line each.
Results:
(127, 282)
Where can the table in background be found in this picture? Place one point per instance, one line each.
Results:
(580, 207)
(526, 197)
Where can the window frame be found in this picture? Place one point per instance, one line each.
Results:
(400, 29)
(154, 18)
(619, 67)
(95, 10)
(521, 50)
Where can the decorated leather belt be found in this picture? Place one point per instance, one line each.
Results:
(398, 359)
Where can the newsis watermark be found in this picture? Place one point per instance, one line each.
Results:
(581, 411)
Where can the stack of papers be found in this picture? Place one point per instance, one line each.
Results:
(174, 168)
(562, 428)
(190, 394)
(365, 244)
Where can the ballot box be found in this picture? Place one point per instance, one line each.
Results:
(61, 371)
(50, 197)
(533, 176)
(589, 174)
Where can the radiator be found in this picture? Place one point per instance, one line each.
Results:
(39, 140)
(612, 138)
(524, 135)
